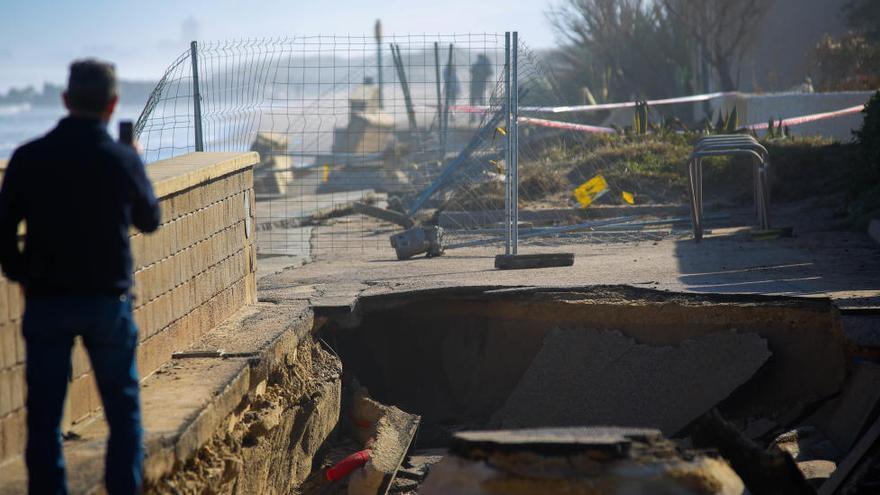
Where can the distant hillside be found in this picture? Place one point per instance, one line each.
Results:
(133, 93)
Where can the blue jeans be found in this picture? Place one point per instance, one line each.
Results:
(110, 337)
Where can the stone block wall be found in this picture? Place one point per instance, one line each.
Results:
(190, 275)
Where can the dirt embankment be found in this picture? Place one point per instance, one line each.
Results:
(270, 441)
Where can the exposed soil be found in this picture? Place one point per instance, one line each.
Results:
(274, 435)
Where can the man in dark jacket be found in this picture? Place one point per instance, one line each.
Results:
(78, 192)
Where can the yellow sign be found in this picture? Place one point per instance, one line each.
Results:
(590, 191)
(326, 175)
(628, 197)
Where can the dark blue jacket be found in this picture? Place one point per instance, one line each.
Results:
(78, 192)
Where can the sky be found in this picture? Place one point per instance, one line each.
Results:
(39, 38)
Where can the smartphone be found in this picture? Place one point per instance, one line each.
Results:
(126, 132)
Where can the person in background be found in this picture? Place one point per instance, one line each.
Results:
(481, 71)
(78, 192)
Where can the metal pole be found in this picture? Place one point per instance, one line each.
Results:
(508, 176)
(484, 134)
(378, 33)
(447, 85)
(197, 97)
(439, 98)
(404, 86)
(514, 140)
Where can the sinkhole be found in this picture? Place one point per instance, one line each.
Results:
(487, 358)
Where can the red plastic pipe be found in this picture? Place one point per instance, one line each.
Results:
(344, 467)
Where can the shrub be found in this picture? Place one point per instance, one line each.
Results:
(868, 138)
(865, 202)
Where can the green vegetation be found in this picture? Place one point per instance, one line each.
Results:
(650, 160)
(852, 61)
(653, 167)
(865, 188)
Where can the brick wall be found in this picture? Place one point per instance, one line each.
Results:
(190, 275)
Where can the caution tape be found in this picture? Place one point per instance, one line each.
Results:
(632, 104)
(792, 121)
(805, 119)
(789, 122)
(626, 104)
(555, 124)
(599, 107)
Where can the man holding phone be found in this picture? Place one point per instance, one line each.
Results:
(78, 193)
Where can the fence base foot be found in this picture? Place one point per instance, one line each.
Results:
(526, 261)
(767, 234)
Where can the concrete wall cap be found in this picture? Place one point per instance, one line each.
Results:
(176, 174)
(184, 172)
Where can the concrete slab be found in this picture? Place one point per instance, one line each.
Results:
(594, 378)
(607, 442)
(583, 461)
(843, 266)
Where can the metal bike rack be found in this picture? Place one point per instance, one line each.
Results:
(729, 145)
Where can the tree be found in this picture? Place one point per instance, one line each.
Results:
(621, 50)
(863, 16)
(722, 29)
(852, 61)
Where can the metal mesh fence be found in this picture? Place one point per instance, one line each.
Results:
(412, 125)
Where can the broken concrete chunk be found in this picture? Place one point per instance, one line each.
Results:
(588, 377)
(763, 471)
(844, 418)
(572, 460)
(816, 472)
(388, 432)
(806, 443)
(604, 442)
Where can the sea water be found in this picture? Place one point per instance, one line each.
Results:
(21, 123)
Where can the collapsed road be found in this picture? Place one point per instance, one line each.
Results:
(752, 391)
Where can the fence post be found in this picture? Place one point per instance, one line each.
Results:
(447, 84)
(440, 150)
(377, 31)
(508, 213)
(197, 97)
(514, 139)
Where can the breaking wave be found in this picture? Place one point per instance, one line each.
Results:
(15, 108)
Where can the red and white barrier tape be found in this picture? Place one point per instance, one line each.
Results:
(565, 125)
(790, 122)
(626, 104)
(805, 119)
(595, 108)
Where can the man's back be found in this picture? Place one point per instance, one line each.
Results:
(79, 192)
